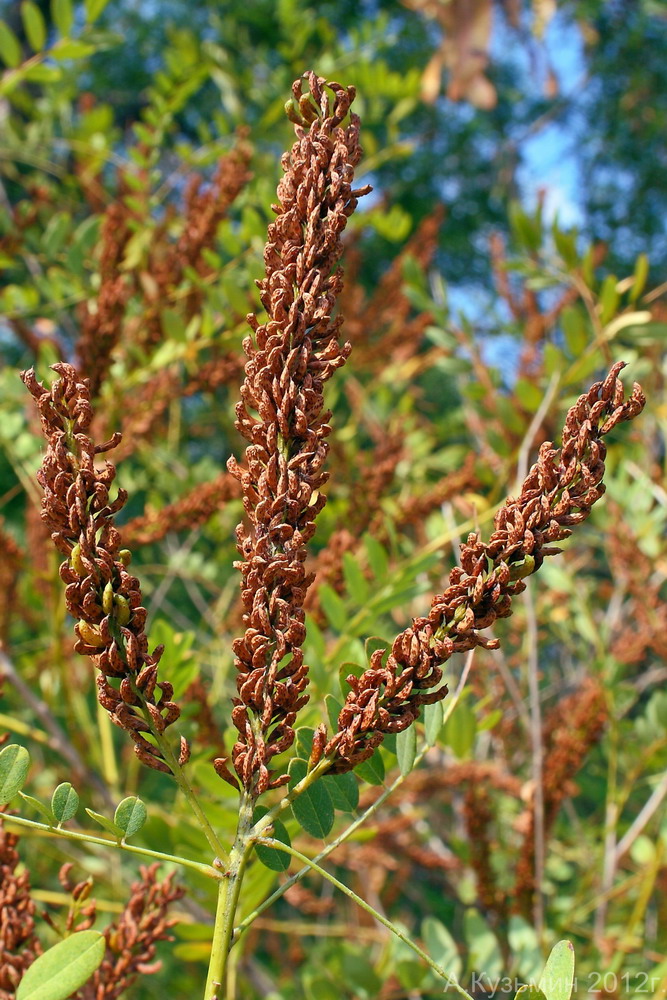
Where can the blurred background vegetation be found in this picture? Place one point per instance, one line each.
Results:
(513, 247)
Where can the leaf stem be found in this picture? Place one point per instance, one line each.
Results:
(354, 826)
(187, 789)
(88, 838)
(451, 981)
(229, 891)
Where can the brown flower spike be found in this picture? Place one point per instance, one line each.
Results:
(281, 414)
(558, 493)
(19, 946)
(100, 593)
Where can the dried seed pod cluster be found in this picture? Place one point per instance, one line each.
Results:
(558, 492)
(290, 358)
(19, 945)
(100, 592)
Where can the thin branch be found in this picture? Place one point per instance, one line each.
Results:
(87, 838)
(400, 934)
(649, 809)
(537, 755)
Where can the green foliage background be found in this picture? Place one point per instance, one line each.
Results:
(158, 91)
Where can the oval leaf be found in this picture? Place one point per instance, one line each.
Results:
(433, 719)
(344, 791)
(529, 993)
(62, 13)
(371, 770)
(33, 24)
(42, 809)
(10, 50)
(64, 802)
(558, 976)
(406, 749)
(130, 815)
(313, 809)
(110, 827)
(14, 764)
(277, 861)
(63, 969)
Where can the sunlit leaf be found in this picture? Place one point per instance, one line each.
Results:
(63, 969)
(14, 765)
(130, 815)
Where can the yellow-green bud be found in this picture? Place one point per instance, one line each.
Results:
(123, 609)
(90, 634)
(76, 561)
(107, 598)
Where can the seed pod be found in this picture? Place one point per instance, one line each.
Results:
(524, 567)
(319, 741)
(123, 610)
(89, 633)
(107, 598)
(76, 561)
(125, 556)
(184, 755)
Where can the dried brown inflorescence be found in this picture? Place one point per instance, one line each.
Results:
(281, 414)
(558, 493)
(132, 938)
(10, 564)
(570, 732)
(18, 945)
(100, 593)
(640, 629)
(102, 318)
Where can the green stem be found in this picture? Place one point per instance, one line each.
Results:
(229, 891)
(340, 839)
(451, 980)
(264, 823)
(87, 838)
(187, 789)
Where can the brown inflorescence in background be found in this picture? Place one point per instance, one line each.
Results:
(100, 593)
(132, 938)
(290, 358)
(102, 317)
(571, 730)
(18, 945)
(478, 816)
(10, 564)
(557, 494)
(383, 325)
(639, 633)
(191, 511)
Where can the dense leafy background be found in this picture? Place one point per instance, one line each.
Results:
(465, 359)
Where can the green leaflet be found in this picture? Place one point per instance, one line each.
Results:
(343, 789)
(558, 976)
(313, 809)
(406, 749)
(61, 970)
(106, 824)
(372, 770)
(14, 765)
(64, 802)
(271, 857)
(130, 815)
(43, 810)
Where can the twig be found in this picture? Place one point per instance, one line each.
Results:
(649, 809)
(537, 755)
